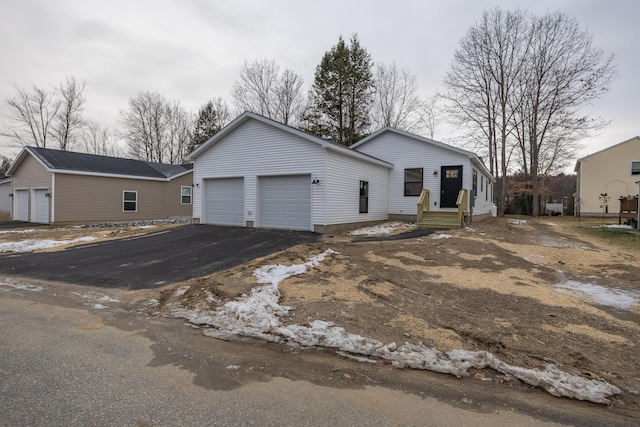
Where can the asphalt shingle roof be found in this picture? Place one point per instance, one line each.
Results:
(82, 162)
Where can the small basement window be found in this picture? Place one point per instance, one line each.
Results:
(130, 201)
(413, 181)
(364, 196)
(635, 168)
(185, 195)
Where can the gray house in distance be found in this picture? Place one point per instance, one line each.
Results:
(53, 186)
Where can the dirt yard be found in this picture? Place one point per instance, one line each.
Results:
(503, 285)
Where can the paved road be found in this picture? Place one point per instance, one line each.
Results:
(62, 364)
(155, 259)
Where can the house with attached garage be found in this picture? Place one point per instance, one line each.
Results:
(257, 172)
(53, 186)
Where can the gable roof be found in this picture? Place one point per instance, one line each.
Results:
(246, 116)
(474, 157)
(606, 149)
(92, 164)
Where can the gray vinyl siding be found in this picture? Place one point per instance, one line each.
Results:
(256, 149)
(343, 189)
(405, 152)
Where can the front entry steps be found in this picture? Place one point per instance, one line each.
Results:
(439, 219)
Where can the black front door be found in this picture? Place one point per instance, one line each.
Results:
(450, 185)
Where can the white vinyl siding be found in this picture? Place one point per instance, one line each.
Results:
(256, 149)
(343, 189)
(407, 153)
(21, 205)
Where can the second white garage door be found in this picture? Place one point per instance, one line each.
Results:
(285, 202)
(21, 205)
(224, 201)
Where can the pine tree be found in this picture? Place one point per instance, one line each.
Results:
(342, 94)
(212, 117)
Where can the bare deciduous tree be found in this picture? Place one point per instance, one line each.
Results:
(565, 71)
(519, 81)
(69, 122)
(46, 118)
(264, 90)
(481, 83)
(99, 140)
(31, 116)
(155, 129)
(396, 101)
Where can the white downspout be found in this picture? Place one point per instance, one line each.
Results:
(52, 199)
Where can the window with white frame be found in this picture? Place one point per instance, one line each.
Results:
(130, 201)
(635, 168)
(185, 194)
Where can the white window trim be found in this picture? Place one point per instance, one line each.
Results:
(190, 194)
(129, 201)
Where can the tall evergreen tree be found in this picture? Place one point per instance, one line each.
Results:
(342, 94)
(212, 117)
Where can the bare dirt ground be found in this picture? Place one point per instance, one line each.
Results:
(491, 287)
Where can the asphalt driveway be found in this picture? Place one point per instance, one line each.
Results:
(155, 259)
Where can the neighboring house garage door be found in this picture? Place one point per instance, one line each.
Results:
(21, 205)
(40, 206)
(223, 201)
(285, 202)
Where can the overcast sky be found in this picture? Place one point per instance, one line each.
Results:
(192, 50)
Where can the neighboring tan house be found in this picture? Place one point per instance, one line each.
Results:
(611, 172)
(257, 172)
(53, 186)
(5, 200)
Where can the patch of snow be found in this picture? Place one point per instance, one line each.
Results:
(259, 314)
(34, 245)
(517, 221)
(440, 236)
(181, 291)
(380, 229)
(356, 358)
(24, 287)
(99, 306)
(151, 303)
(627, 227)
(26, 231)
(234, 367)
(617, 298)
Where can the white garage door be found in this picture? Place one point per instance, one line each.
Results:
(40, 206)
(285, 202)
(223, 201)
(21, 205)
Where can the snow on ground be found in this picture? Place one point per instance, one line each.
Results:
(34, 245)
(627, 227)
(23, 287)
(28, 230)
(386, 228)
(258, 316)
(517, 221)
(617, 298)
(440, 236)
